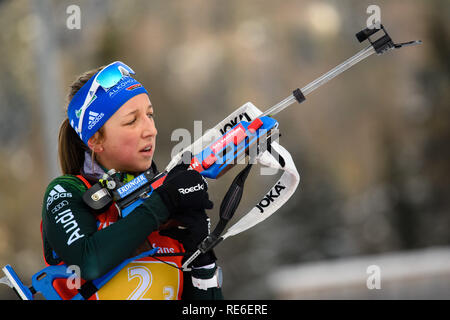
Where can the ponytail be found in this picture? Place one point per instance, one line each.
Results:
(71, 148)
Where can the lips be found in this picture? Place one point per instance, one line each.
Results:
(147, 148)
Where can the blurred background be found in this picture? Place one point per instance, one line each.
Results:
(369, 145)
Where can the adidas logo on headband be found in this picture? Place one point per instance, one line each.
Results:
(94, 117)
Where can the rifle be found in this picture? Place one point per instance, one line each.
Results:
(249, 136)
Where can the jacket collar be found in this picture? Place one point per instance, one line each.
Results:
(93, 171)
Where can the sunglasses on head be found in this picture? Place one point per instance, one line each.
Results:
(107, 78)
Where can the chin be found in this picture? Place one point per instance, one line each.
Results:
(146, 165)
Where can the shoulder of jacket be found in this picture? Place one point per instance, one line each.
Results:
(63, 188)
(66, 182)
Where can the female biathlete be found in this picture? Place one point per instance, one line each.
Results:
(110, 125)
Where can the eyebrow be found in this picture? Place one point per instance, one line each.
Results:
(136, 110)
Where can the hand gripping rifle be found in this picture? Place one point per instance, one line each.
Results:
(248, 133)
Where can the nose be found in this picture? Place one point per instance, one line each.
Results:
(149, 128)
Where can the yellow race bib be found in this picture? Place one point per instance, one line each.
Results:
(144, 280)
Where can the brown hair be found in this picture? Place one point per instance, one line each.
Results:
(71, 148)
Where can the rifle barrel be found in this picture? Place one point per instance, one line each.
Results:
(361, 55)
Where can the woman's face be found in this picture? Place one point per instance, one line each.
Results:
(129, 137)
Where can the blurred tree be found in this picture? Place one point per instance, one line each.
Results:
(434, 80)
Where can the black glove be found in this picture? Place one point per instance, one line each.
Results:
(183, 190)
(195, 227)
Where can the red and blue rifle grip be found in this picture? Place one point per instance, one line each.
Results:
(214, 160)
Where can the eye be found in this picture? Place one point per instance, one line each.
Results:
(131, 122)
(150, 115)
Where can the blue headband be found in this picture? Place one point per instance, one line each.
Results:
(102, 106)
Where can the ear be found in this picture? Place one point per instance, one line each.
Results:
(95, 143)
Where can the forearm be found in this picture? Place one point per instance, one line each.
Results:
(105, 249)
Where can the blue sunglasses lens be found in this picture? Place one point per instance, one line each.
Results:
(112, 74)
